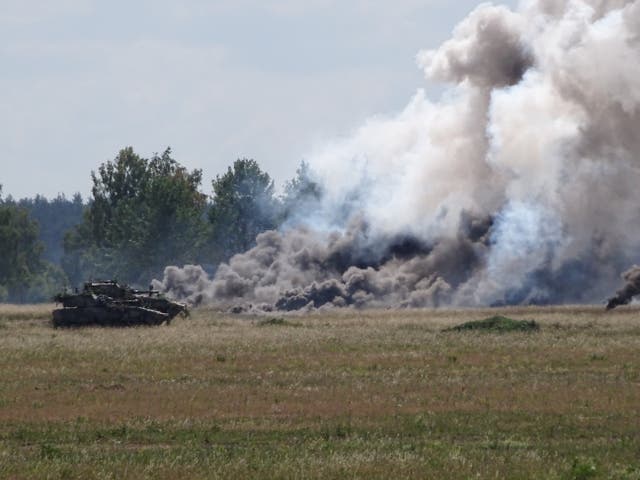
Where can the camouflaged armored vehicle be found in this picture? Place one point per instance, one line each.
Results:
(111, 304)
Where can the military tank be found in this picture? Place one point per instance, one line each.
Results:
(110, 304)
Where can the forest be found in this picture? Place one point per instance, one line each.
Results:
(142, 215)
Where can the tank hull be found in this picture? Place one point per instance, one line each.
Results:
(107, 317)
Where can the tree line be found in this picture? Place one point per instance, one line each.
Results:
(143, 214)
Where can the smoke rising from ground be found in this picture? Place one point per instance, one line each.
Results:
(518, 186)
(630, 289)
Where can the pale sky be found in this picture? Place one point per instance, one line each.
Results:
(215, 80)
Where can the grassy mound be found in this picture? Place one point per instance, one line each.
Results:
(277, 322)
(497, 324)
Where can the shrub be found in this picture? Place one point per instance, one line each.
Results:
(497, 324)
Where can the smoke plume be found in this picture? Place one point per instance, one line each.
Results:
(518, 186)
(630, 289)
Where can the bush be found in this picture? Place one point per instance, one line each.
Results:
(497, 324)
(582, 470)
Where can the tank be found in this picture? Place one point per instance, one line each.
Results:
(110, 304)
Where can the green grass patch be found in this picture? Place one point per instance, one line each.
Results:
(498, 324)
(455, 445)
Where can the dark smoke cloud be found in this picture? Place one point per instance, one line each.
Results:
(299, 270)
(630, 289)
(519, 186)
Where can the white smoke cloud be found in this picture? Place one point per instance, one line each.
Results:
(518, 186)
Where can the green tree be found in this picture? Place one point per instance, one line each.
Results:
(301, 194)
(21, 265)
(244, 205)
(55, 217)
(144, 215)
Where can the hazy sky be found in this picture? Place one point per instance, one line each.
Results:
(215, 80)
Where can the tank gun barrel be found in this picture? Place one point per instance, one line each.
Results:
(146, 292)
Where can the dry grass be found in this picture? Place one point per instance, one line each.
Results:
(25, 312)
(383, 394)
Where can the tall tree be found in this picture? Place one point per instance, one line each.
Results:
(20, 251)
(301, 194)
(55, 217)
(244, 205)
(144, 215)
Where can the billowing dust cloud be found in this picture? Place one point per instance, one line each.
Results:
(518, 186)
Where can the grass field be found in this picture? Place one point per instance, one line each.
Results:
(383, 394)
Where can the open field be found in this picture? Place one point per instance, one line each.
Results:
(383, 394)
